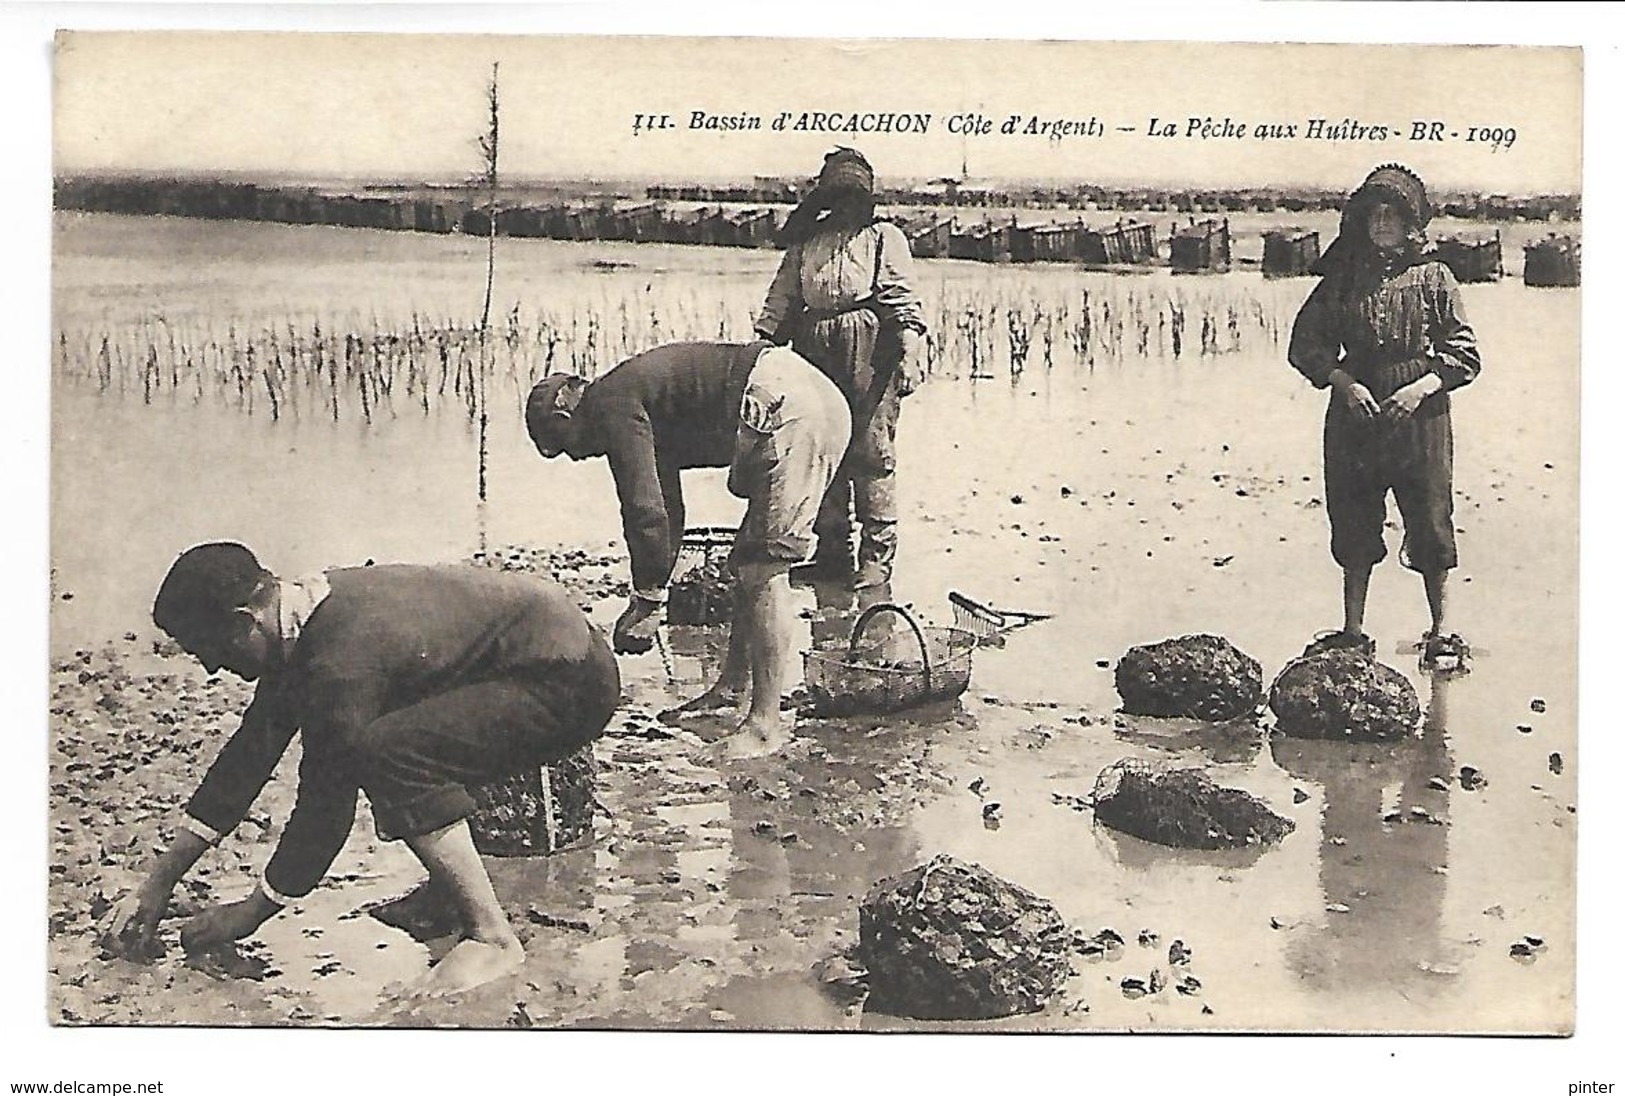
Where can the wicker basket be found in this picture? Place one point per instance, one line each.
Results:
(702, 586)
(536, 812)
(852, 681)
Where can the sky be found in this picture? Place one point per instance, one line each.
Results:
(410, 106)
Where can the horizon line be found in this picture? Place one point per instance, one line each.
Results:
(381, 178)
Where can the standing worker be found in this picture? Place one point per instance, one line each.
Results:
(844, 298)
(780, 428)
(1385, 331)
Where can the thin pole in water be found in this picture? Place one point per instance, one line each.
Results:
(488, 149)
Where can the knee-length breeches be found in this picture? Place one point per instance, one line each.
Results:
(417, 763)
(1365, 459)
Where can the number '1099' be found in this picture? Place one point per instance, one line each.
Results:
(1497, 137)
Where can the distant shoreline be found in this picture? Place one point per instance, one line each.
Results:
(202, 194)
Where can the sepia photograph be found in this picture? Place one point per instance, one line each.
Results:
(665, 532)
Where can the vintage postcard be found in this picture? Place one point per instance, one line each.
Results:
(814, 534)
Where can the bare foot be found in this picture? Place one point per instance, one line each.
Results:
(755, 738)
(473, 963)
(716, 697)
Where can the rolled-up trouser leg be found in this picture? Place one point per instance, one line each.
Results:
(417, 763)
(833, 527)
(785, 464)
(842, 347)
(874, 480)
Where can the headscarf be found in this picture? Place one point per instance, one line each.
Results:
(846, 169)
(846, 177)
(1388, 183)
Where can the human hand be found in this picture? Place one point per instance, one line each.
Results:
(224, 923)
(1358, 398)
(911, 364)
(635, 629)
(130, 928)
(1404, 402)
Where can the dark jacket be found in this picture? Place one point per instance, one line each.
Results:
(1386, 330)
(383, 638)
(670, 408)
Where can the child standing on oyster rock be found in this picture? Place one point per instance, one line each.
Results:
(1385, 331)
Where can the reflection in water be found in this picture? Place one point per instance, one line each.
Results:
(692, 655)
(1384, 848)
(555, 892)
(1081, 550)
(712, 891)
(1147, 856)
(837, 607)
(1235, 743)
(813, 829)
(810, 836)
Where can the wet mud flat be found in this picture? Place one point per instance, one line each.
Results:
(1425, 883)
(728, 896)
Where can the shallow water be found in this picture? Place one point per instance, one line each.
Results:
(1135, 499)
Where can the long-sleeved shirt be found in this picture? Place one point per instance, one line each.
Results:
(837, 269)
(670, 408)
(1386, 333)
(382, 639)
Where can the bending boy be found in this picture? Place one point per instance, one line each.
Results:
(411, 683)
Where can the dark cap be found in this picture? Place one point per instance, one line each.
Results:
(204, 586)
(552, 400)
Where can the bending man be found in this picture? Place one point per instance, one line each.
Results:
(778, 425)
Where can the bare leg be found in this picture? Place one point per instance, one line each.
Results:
(735, 674)
(489, 948)
(766, 589)
(769, 642)
(1356, 581)
(1434, 583)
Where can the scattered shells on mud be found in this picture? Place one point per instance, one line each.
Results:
(591, 576)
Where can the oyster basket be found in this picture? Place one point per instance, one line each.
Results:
(538, 811)
(852, 681)
(701, 590)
